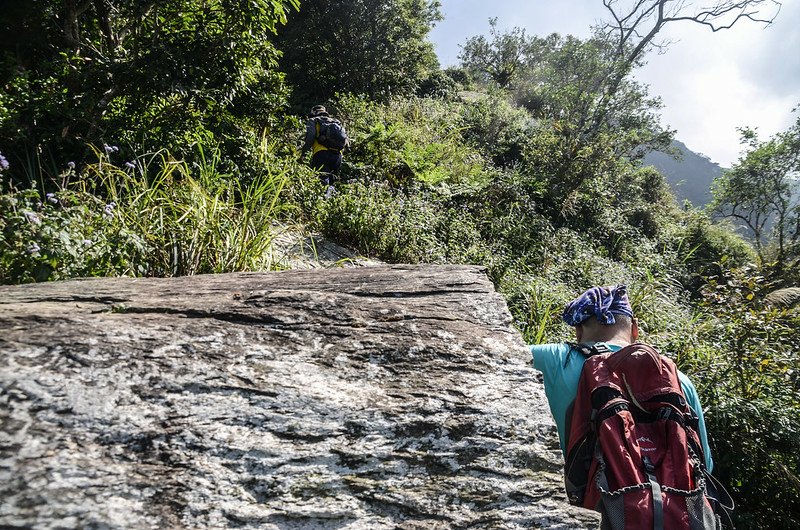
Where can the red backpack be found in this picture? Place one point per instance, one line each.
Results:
(633, 452)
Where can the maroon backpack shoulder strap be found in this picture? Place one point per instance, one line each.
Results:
(581, 438)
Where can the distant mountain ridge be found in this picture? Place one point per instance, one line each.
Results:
(690, 176)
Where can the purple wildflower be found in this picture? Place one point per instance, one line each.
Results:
(130, 165)
(51, 198)
(32, 218)
(87, 242)
(109, 210)
(3, 163)
(33, 248)
(71, 164)
(110, 148)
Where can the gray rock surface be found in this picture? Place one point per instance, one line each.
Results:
(787, 297)
(377, 397)
(293, 248)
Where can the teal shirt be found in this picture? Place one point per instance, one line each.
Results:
(561, 369)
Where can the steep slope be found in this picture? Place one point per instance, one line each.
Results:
(690, 177)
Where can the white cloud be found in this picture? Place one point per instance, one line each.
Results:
(711, 84)
(775, 55)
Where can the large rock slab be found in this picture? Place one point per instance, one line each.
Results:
(379, 397)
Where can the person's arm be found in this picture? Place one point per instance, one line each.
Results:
(549, 358)
(540, 355)
(694, 401)
(311, 135)
(559, 386)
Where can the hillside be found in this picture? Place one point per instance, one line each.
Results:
(148, 142)
(689, 176)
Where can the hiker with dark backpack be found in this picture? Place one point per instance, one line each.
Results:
(327, 138)
(629, 423)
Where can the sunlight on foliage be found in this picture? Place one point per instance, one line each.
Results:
(158, 217)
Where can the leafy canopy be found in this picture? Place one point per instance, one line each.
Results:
(158, 74)
(376, 48)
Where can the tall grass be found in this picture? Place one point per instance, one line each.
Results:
(195, 219)
(152, 216)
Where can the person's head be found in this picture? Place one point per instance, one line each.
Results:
(603, 314)
(318, 110)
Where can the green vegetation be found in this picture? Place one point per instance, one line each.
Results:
(526, 160)
(761, 192)
(380, 45)
(154, 216)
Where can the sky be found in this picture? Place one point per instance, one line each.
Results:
(710, 82)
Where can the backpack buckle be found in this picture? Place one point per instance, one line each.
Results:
(648, 465)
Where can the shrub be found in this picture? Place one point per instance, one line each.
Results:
(408, 140)
(417, 225)
(536, 303)
(196, 219)
(752, 391)
(499, 130)
(157, 217)
(702, 246)
(63, 235)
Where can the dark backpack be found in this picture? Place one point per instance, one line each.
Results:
(633, 450)
(331, 134)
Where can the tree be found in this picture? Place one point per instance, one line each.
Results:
(584, 88)
(557, 79)
(376, 48)
(569, 82)
(504, 59)
(631, 33)
(634, 27)
(761, 190)
(152, 73)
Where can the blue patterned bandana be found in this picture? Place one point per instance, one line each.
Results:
(599, 302)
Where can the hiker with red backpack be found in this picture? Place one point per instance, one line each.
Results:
(327, 138)
(629, 423)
